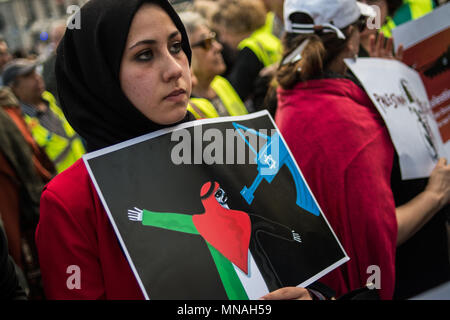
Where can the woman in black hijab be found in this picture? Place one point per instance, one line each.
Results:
(88, 67)
(125, 73)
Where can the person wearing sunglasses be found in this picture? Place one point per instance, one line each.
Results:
(212, 95)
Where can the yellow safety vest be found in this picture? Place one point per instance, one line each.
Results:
(202, 108)
(61, 150)
(410, 10)
(264, 45)
(268, 26)
(227, 95)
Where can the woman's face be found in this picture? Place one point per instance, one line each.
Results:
(154, 72)
(207, 61)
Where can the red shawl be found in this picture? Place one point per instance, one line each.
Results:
(344, 150)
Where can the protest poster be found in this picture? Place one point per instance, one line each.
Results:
(214, 209)
(426, 43)
(399, 95)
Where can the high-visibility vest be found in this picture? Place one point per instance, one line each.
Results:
(202, 108)
(264, 45)
(268, 26)
(229, 97)
(61, 150)
(410, 10)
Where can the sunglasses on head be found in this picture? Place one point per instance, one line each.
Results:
(205, 43)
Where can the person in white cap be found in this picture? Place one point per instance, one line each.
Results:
(342, 144)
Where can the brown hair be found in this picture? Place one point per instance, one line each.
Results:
(240, 16)
(316, 57)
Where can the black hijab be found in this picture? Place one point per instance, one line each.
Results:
(87, 72)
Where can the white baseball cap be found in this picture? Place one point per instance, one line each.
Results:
(330, 15)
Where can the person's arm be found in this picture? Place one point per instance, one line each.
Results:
(64, 242)
(288, 293)
(315, 291)
(413, 215)
(170, 221)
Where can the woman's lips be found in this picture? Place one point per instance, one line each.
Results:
(176, 95)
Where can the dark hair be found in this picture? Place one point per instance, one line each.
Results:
(87, 71)
(393, 5)
(316, 57)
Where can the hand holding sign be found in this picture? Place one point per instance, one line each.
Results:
(439, 182)
(380, 47)
(288, 293)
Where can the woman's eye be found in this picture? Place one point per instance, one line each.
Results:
(145, 55)
(176, 47)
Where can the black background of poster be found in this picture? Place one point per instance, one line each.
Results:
(176, 265)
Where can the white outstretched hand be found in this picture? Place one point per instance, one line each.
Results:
(296, 236)
(135, 214)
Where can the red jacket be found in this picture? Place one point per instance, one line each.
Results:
(74, 230)
(343, 148)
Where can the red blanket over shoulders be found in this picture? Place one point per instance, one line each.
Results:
(343, 148)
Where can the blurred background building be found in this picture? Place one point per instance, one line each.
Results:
(25, 24)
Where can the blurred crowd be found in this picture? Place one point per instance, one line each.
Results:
(241, 63)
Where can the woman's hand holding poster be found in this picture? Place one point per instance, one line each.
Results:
(214, 209)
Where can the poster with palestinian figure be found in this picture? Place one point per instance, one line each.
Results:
(398, 93)
(214, 209)
(426, 43)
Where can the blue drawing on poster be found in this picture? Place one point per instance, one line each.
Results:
(272, 156)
